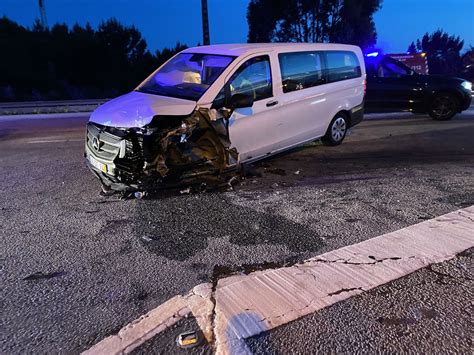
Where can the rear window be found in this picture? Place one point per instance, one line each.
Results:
(301, 70)
(342, 65)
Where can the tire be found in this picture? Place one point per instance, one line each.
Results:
(443, 107)
(337, 130)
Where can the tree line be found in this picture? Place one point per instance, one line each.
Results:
(74, 63)
(444, 52)
(338, 21)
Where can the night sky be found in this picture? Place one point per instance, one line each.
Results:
(164, 22)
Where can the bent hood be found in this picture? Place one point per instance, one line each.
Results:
(137, 109)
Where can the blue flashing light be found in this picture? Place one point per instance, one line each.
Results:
(373, 54)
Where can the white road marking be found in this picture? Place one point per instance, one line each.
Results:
(142, 329)
(246, 305)
(55, 141)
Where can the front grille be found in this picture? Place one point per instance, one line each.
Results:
(103, 145)
(120, 150)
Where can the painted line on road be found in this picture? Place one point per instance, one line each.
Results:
(55, 141)
(242, 306)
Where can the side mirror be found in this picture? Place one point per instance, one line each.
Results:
(240, 101)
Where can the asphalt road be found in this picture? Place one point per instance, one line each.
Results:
(76, 267)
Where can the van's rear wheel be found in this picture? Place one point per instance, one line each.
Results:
(443, 107)
(336, 131)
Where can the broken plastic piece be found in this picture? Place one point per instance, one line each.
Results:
(139, 194)
(188, 340)
(185, 191)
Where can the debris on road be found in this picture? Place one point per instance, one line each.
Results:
(186, 191)
(189, 340)
(147, 238)
(276, 171)
(140, 195)
(43, 276)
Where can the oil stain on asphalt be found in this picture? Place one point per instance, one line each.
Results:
(179, 233)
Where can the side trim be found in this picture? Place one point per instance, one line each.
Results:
(269, 154)
(357, 114)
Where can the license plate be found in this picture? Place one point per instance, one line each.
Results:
(97, 164)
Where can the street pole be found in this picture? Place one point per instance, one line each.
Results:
(205, 24)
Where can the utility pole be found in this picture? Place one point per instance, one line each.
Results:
(205, 23)
(44, 21)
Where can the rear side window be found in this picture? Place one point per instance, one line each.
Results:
(342, 65)
(301, 70)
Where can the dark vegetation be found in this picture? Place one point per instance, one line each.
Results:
(340, 21)
(73, 63)
(443, 52)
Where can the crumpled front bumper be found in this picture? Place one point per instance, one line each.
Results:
(170, 151)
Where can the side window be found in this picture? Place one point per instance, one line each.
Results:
(393, 70)
(342, 65)
(301, 70)
(253, 78)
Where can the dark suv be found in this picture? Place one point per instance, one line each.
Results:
(392, 86)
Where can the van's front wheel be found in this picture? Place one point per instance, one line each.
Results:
(336, 131)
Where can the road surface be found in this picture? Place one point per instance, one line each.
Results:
(78, 266)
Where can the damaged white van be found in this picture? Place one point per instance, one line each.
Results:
(209, 109)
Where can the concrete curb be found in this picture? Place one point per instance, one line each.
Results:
(240, 306)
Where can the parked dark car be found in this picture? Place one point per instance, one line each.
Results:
(392, 86)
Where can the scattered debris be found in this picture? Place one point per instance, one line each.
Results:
(146, 238)
(276, 171)
(275, 185)
(42, 276)
(186, 191)
(232, 181)
(140, 194)
(106, 191)
(189, 339)
(297, 172)
(248, 170)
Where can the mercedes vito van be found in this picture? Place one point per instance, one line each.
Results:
(211, 108)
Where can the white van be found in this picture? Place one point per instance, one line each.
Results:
(211, 108)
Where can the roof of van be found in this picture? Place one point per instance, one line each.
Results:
(238, 49)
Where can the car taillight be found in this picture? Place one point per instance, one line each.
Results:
(365, 86)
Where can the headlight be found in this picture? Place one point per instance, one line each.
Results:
(467, 85)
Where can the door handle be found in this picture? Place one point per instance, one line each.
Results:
(272, 103)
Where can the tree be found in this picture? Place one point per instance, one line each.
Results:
(443, 52)
(412, 48)
(343, 21)
(468, 57)
(74, 63)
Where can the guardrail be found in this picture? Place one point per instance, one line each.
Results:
(49, 107)
(37, 104)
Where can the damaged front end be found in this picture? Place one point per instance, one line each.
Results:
(169, 151)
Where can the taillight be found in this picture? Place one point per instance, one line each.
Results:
(365, 86)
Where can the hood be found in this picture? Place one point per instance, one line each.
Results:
(137, 109)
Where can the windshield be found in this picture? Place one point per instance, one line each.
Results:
(186, 76)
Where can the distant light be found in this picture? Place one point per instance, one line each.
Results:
(423, 54)
(373, 54)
